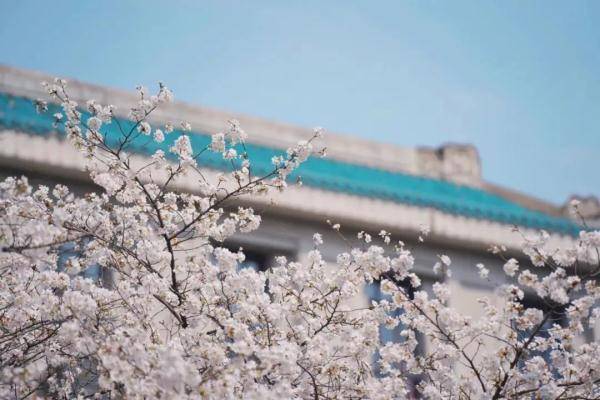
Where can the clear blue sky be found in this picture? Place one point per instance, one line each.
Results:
(519, 79)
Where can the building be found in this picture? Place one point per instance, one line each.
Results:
(362, 185)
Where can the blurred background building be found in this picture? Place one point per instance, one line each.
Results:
(363, 185)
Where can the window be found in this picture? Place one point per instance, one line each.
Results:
(373, 293)
(87, 380)
(94, 272)
(257, 260)
(557, 317)
(259, 255)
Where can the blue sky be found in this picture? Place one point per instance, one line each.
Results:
(519, 79)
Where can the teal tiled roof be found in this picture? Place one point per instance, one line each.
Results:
(18, 113)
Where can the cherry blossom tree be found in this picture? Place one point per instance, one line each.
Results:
(179, 319)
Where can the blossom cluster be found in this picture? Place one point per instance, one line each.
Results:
(176, 317)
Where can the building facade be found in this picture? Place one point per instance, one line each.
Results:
(362, 185)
